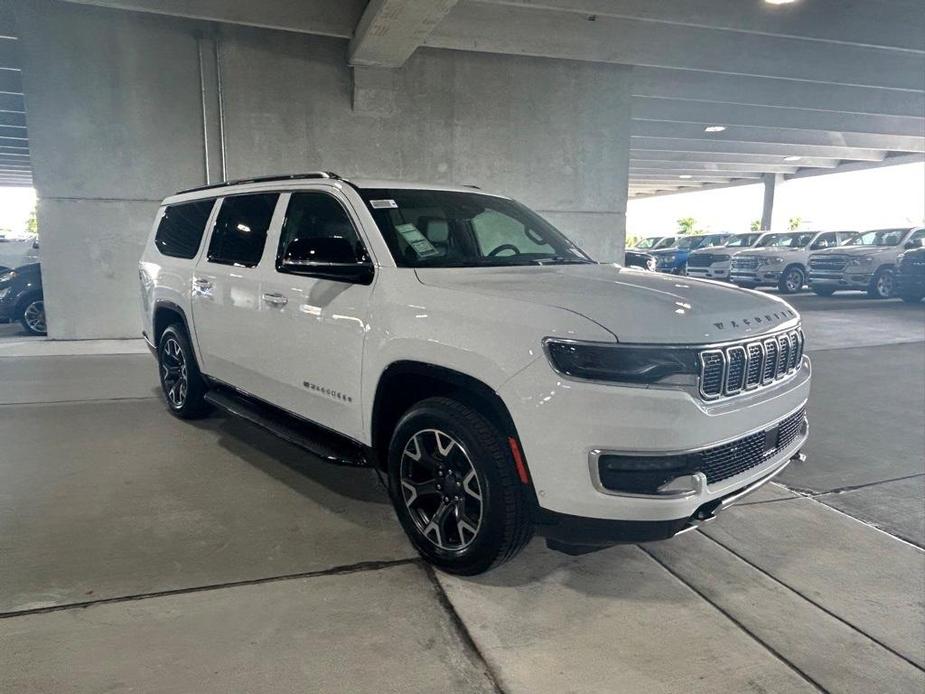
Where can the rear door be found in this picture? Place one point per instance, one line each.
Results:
(226, 292)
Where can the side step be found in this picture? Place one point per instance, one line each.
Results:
(300, 432)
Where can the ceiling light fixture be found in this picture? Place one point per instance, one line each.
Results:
(714, 128)
(685, 176)
(792, 157)
(780, 2)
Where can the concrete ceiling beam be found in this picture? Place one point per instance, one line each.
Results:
(765, 91)
(733, 158)
(695, 167)
(486, 27)
(390, 30)
(323, 17)
(677, 144)
(775, 135)
(895, 24)
(648, 108)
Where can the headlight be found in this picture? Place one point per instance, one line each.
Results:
(861, 260)
(595, 361)
(4, 292)
(774, 261)
(650, 263)
(7, 276)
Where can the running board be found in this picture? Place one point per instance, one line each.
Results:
(318, 441)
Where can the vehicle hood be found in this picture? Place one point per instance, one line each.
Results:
(772, 252)
(636, 306)
(859, 250)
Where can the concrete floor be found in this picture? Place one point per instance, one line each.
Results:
(140, 553)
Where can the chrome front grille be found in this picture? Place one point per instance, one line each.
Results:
(749, 364)
(828, 263)
(746, 263)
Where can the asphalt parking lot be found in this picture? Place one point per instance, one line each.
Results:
(141, 553)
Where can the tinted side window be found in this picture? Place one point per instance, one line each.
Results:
(317, 216)
(180, 231)
(825, 241)
(241, 229)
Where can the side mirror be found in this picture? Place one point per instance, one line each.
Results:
(332, 258)
(913, 243)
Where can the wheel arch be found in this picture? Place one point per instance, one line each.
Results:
(24, 299)
(404, 383)
(167, 313)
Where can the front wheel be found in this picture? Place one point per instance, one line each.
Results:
(883, 285)
(791, 281)
(182, 383)
(33, 315)
(455, 489)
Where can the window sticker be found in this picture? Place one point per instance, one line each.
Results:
(417, 240)
(383, 204)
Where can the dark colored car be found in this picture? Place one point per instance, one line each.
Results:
(646, 261)
(910, 275)
(21, 298)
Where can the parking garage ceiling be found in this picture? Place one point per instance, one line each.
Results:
(724, 91)
(15, 164)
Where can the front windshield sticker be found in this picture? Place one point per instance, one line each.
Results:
(383, 204)
(416, 239)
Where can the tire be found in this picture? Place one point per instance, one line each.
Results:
(792, 280)
(182, 383)
(32, 314)
(883, 284)
(446, 459)
(823, 291)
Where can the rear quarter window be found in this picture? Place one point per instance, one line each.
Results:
(181, 228)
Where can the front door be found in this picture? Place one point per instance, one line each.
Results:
(313, 328)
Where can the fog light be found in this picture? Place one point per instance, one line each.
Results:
(655, 475)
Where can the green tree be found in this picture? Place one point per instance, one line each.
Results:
(32, 223)
(686, 225)
(794, 223)
(756, 225)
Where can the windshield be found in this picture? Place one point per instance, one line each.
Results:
(438, 228)
(878, 237)
(648, 243)
(791, 240)
(667, 242)
(742, 240)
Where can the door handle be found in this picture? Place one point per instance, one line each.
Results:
(275, 299)
(202, 283)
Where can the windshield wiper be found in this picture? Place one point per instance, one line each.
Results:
(561, 260)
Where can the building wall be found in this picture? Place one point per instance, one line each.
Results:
(115, 111)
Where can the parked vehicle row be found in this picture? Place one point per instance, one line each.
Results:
(826, 261)
(503, 381)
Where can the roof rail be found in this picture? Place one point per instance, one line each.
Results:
(264, 179)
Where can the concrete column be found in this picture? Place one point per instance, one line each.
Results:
(770, 188)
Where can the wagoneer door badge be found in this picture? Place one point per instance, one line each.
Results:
(757, 320)
(327, 392)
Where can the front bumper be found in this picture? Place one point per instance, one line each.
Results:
(759, 277)
(577, 535)
(840, 280)
(562, 423)
(713, 272)
(8, 309)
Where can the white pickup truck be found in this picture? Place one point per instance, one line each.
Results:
(504, 381)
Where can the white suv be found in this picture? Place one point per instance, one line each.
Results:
(504, 381)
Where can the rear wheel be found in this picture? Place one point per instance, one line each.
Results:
(182, 383)
(883, 285)
(823, 291)
(791, 280)
(453, 483)
(33, 315)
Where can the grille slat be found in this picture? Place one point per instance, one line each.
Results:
(746, 263)
(749, 365)
(734, 458)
